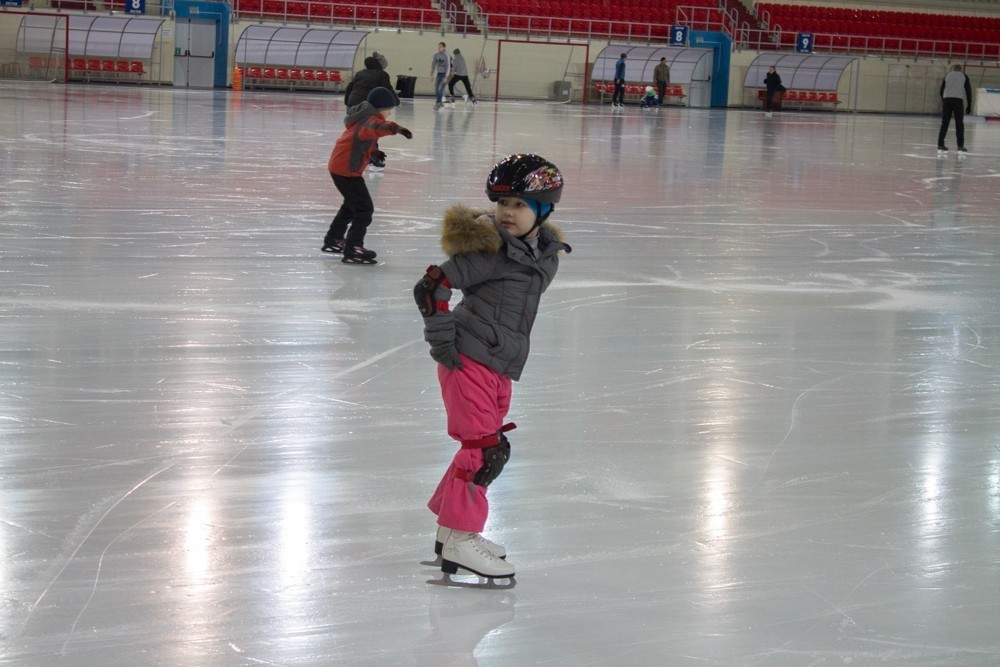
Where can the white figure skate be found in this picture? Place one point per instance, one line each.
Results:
(442, 537)
(467, 551)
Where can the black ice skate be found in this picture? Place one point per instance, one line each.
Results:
(467, 552)
(336, 248)
(355, 254)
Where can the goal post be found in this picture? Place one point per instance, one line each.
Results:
(542, 70)
(38, 48)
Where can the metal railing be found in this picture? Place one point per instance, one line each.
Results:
(745, 35)
(866, 45)
(325, 13)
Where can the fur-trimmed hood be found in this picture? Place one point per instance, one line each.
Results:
(467, 230)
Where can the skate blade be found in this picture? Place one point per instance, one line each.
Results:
(483, 583)
(436, 563)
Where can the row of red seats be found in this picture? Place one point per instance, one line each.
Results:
(545, 24)
(87, 65)
(624, 8)
(661, 16)
(262, 73)
(942, 47)
(839, 27)
(409, 13)
(635, 89)
(871, 16)
(818, 96)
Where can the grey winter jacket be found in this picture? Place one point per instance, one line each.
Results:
(459, 68)
(501, 283)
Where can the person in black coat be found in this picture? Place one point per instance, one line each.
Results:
(772, 84)
(364, 81)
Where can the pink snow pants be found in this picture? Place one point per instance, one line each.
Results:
(476, 399)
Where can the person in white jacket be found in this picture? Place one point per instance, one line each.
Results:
(956, 95)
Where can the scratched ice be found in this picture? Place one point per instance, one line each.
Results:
(758, 425)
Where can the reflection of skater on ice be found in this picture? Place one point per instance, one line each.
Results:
(460, 623)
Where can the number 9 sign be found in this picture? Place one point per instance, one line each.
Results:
(804, 42)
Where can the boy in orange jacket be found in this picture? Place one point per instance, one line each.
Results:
(366, 124)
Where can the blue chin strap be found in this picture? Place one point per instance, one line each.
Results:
(542, 212)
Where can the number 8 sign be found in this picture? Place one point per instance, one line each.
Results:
(135, 6)
(678, 35)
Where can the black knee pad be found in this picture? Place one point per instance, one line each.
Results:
(495, 458)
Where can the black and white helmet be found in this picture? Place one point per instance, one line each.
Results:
(527, 176)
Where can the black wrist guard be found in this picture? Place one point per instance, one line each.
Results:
(423, 291)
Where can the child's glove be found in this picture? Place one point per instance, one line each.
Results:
(431, 292)
(406, 133)
(378, 156)
(439, 331)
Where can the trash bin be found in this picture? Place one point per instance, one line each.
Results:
(405, 85)
(560, 91)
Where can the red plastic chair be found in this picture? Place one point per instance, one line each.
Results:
(268, 73)
(93, 65)
(135, 67)
(335, 76)
(121, 67)
(108, 66)
(321, 75)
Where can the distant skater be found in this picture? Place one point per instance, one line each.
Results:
(618, 98)
(460, 73)
(772, 86)
(956, 95)
(440, 68)
(366, 123)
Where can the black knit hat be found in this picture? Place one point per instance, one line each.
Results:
(382, 98)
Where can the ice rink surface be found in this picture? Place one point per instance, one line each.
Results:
(758, 426)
